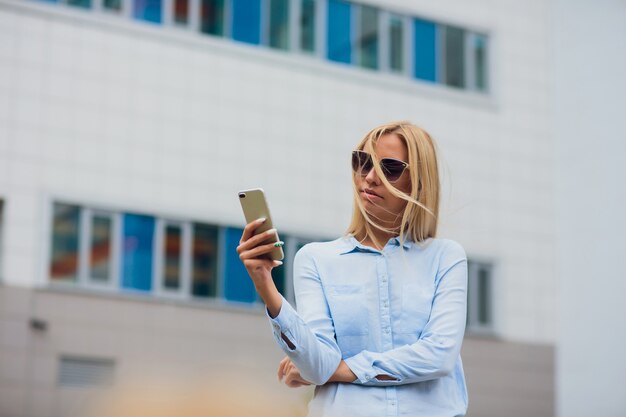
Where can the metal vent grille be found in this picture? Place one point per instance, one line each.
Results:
(85, 372)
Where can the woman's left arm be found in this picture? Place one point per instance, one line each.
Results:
(436, 352)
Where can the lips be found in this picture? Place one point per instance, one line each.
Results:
(370, 192)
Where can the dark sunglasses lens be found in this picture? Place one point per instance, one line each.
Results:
(392, 169)
(361, 161)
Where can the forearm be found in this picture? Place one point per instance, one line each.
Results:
(408, 364)
(306, 336)
(270, 296)
(273, 302)
(313, 352)
(343, 374)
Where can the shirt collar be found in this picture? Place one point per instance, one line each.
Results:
(350, 244)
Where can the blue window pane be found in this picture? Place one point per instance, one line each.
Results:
(367, 41)
(112, 5)
(454, 51)
(278, 273)
(137, 255)
(205, 253)
(425, 40)
(65, 242)
(396, 44)
(181, 11)
(85, 4)
(307, 25)
(237, 283)
(279, 24)
(247, 21)
(149, 10)
(480, 62)
(339, 47)
(212, 17)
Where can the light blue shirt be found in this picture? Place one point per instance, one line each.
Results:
(399, 311)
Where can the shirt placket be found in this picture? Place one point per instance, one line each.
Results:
(385, 321)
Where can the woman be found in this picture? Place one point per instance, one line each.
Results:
(381, 310)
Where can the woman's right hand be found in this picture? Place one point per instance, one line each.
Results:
(250, 252)
(260, 268)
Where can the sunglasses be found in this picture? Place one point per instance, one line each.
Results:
(392, 168)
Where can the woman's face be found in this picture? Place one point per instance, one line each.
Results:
(382, 204)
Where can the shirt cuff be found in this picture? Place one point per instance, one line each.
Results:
(362, 364)
(283, 323)
(361, 367)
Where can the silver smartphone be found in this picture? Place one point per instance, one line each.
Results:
(254, 205)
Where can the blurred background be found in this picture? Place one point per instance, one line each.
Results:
(128, 126)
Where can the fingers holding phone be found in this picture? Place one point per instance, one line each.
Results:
(258, 244)
(255, 207)
(260, 248)
(253, 252)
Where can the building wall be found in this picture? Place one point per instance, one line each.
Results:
(114, 113)
(97, 109)
(590, 96)
(152, 338)
(144, 339)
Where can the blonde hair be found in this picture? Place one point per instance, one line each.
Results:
(421, 213)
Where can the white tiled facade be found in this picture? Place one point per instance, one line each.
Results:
(124, 114)
(116, 113)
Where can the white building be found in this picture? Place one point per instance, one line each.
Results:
(127, 128)
(590, 98)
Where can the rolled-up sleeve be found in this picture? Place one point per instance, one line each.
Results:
(312, 348)
(437, 350)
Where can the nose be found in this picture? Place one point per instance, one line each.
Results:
(372, 177)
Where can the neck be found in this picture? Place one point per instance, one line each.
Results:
(381, 236)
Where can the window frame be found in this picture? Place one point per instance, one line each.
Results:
(440, 60)
(218, 263)
(320, 37)
(266, 26)
(353, 22)
(295, 15)
(290, 252)
(125, 10)
(50, 245)
(168, 14)
(356, 41)
(84, 244)
(321, 41)
(159, 259)
(473, 325)
(91, 5)
(384, 49)
(195, 20)
(470, 62)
